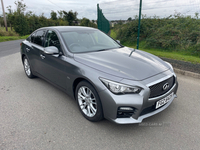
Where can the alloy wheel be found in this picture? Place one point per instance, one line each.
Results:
(27, 67)
(87, 101)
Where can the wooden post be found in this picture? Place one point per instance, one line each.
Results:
(4, 15)
(139, 24)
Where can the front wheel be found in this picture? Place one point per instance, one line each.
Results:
(89, 102)
(27, 68)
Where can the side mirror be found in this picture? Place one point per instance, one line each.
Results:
(51, 50)
(118, 41)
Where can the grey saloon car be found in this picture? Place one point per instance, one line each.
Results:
(107, 79)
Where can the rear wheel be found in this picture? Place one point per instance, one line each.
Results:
(27, 68)
(89, 102)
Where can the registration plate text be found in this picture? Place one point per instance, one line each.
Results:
(164, 100)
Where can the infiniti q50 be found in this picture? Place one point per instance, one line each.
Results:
(107, 79)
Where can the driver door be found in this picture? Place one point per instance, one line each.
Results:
(53, 67)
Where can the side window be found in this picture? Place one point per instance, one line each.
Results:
(33, 37)
(39, 37)
(29, 38)
(52, 40)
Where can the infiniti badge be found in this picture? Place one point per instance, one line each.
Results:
(165, 86)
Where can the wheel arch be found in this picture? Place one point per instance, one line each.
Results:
(77, 81)
(80, 79)
(23, 55)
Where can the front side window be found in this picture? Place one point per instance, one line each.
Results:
(88, 41)
(39, 37)
(52, 40)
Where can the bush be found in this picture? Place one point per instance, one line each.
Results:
(177, 33)
(9, 33)
(21, 25)
(195, 50)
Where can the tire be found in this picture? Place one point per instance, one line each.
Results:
(27, 68)
(88, 102)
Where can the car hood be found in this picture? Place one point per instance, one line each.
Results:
(118, 62)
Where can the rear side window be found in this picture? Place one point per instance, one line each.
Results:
(33, 37)
(29, 38)
(38, 37)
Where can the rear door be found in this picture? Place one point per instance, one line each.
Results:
(29, 50)
(37, 46)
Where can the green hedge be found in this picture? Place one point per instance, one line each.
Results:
(175, 33)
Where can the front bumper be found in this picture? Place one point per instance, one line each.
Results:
(139, 119)
(144, 107)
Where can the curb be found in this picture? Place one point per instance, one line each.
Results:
(187, 73)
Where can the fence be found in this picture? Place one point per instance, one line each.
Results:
(103, 23)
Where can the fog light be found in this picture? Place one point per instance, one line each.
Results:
(126, 108)
(125, 112)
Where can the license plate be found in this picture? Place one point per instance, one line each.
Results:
(164, 100)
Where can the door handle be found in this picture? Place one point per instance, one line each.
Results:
(42, 56)
(27, 49)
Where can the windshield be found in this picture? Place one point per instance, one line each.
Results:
(88, 41)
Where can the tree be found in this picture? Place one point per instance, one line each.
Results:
(10, 19)
(53, 15)
(63, 23)
(9, 9)
(26, 22)
(197, 15)
(129, 19)
(86, 22)
(60, 15)
(70, 16)
(21, 24)
(19, 20)
(43, 20)
(21, 7)
(120, 22)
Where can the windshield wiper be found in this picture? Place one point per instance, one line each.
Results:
(131, 52)
(107, 49)
(102, 49)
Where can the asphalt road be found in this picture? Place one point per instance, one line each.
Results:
(9, 47)
(36, 115)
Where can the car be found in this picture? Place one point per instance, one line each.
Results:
(107, 80)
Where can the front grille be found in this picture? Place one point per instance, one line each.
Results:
(157, 89)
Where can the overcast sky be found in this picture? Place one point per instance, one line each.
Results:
(112, 9)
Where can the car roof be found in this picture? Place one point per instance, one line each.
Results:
(69, 28)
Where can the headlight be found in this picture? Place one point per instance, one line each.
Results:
(169, 65)
(118, 88)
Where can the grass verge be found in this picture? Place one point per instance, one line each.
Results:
(160, 53)
(10, 38)
(10, 35)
